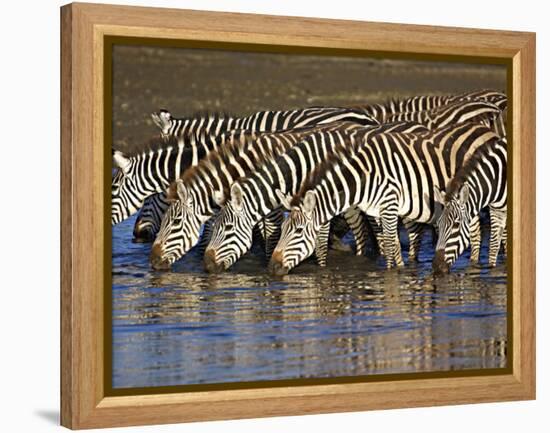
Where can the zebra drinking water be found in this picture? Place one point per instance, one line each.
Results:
(481, 182)
(195, 195)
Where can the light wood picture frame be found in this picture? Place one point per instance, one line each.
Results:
(86, 32)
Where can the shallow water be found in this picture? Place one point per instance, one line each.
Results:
(351, 318)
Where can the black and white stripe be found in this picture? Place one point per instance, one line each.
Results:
(185, 141)
(388, 176)
(480, 183)
(201, 189)
(416, 104)
(265, 189)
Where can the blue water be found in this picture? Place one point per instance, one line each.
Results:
(351, 318)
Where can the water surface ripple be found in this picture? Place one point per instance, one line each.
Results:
(351, 318)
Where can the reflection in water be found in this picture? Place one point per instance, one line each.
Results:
(352, 318)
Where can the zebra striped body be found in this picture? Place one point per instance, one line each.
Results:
(184, 142)
(386, 175)
(256, 195)
(454, 113)
(416, 104)
(480, 183)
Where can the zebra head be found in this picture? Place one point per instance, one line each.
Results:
(454, 229)
(149, 218)
(298, 235)
(123, 202)
(180, 227)
(164, 121)
(231, 233)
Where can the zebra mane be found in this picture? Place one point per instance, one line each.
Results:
(232, 148)
(202, 134)
(315, 177)
(463, 172)
(206, 114)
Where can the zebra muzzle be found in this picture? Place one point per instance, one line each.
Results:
(275, 265)
(157, 262)
(210, 263)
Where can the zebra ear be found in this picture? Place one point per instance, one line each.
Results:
(182, 191)
(464, 193)
(218, 198)
(310, 200)
(237, 196)
(283, 199)
(162, 120)
(121, 161)
(439, 196)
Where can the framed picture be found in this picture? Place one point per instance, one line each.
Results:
(268, 216)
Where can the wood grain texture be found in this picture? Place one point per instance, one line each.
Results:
(67, 386)
(83, 401)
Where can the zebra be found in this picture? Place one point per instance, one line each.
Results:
(386, 175)
(195, 195)
(184, 142)
(481, 182)
(255, 196)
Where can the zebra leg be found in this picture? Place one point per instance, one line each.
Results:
(498, 225)
(272, 230)
(356, 221)
(415, 236)
(475, 239)
(392, 246)
(321, 244)
(376, 234)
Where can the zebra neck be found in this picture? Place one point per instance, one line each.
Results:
(329, 205)
(480, 198)
(203, 186)
(259, 199)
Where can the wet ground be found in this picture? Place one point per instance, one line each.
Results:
(351, 318)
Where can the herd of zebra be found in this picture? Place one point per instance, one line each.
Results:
(299, 180)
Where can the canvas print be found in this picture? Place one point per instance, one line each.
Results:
(305, 216)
